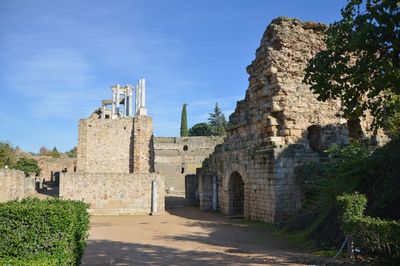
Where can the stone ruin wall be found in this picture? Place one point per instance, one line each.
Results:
(115, 167)
(178, 158)
(107, 145)
(113, 193)
(50, 167)
(267, 134)
(15, 185)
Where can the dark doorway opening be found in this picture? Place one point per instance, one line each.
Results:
(236, 195)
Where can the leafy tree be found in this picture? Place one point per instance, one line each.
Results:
(72, 152)
(361, 63)
(184, 126)
(392, 123)
(217, 121)
(54, 153)
(7, 156)
(28, 166)
(201, 129)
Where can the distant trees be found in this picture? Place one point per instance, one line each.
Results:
(184, 126)
(201, 129)
(216, 125)
(217, 121)
(46, 152)
(54, 153)
(7, 156)
(72, 153)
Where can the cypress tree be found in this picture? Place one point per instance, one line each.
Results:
(184, 126)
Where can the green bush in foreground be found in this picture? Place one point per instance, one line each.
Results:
(376, 235)
(43, 232)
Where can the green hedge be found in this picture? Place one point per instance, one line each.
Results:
(43, 232)
(373, 234)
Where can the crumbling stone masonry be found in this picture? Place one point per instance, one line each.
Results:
(51, 168)
(115, 162)
(268, 134)
(15, 185)
(178, 158)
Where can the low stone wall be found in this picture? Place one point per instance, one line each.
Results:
(14, 185)
(113, 193)
(177, 158)
(50, 166)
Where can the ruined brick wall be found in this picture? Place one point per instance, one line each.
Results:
(113, 193)
(49, 166)
(115, 167)
(121, 145)
(14, 185)
(143, 145)
(176, 158)
(268, 131)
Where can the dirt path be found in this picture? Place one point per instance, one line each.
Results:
(186, 236)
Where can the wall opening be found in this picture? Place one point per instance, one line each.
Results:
(314, 136)
(185, 148)
(236, 194)
(182, 170)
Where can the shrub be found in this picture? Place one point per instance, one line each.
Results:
(375, 235)
(28, 166)
(7, 156)
(48, 232)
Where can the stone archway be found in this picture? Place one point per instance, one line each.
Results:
(236, 194)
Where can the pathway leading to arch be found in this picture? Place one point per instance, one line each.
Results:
(186, 236)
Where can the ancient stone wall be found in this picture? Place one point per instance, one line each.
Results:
(115, 145)
(113, 193)
(50, 166)
(268, 131)
(115, 166)
(14, 185)
(176, 158)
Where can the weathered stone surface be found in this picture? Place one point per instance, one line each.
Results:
(121, 145)
(113, 193)
(267, 134)
(175, 158)
(14, 185)
(50, 166)
(115, 167)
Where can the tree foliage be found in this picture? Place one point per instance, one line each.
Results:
(361, 63)
(7, 156)
(28, 166)
(54, 153)
(184, 126)
(216, 125)
(72, 153)
(217, 121)
(201, 129)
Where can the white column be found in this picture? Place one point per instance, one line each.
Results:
(143, 101)
(123, 110)
(118, 100)
(113, 103)
(103, 113)
(154, 197)
(137, 100)
(140, 93)
(130, 100)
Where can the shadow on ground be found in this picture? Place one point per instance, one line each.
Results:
(119, 253)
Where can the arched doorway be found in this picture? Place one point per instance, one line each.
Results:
(236, 194)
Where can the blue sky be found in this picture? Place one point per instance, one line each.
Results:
(58, 59)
